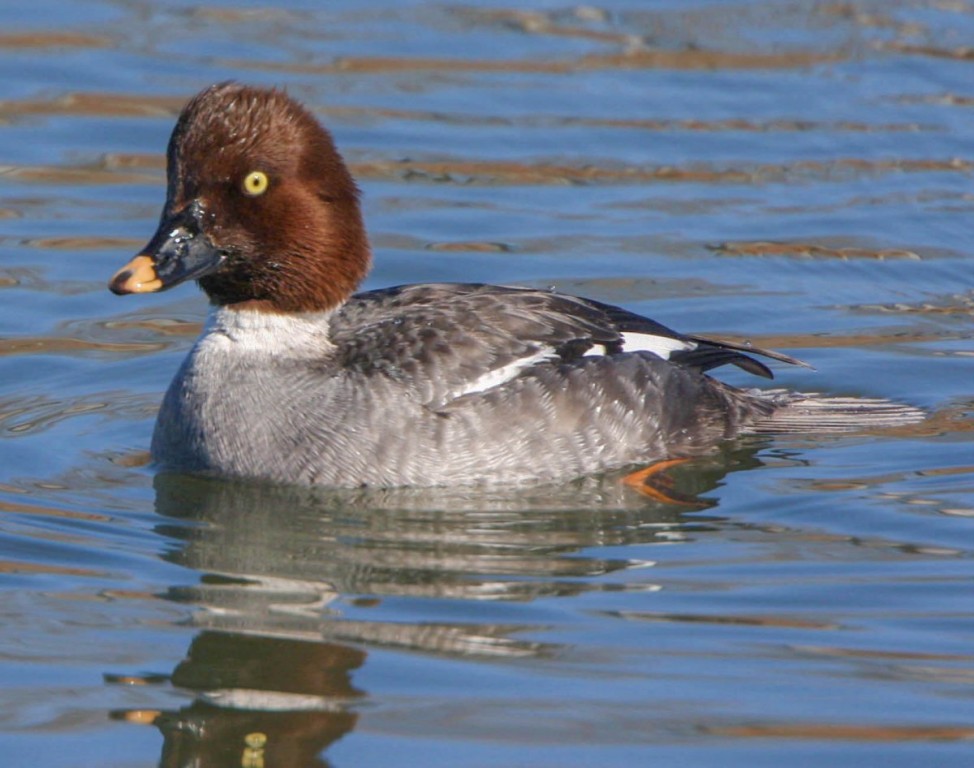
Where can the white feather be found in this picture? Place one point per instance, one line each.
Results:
(663, 346)
(505, 373)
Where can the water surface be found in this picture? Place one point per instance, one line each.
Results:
(794, 173)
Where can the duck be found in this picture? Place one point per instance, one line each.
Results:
(298, 379)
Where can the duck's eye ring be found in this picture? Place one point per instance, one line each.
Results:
(255, 184)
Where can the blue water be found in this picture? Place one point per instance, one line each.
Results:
(794, 173)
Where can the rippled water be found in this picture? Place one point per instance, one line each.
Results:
(795, 173)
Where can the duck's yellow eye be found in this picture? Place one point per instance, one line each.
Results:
(255, 183)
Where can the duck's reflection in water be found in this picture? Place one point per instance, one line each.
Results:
(260, 701)
(288, 573)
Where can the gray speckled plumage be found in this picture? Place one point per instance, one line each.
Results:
(380, 394)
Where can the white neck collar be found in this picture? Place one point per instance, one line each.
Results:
(295, 334)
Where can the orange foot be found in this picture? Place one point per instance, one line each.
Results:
(652, 481)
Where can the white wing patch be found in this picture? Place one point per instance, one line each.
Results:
(661, 346)
(505, 373)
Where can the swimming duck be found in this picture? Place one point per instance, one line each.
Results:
(297, 379)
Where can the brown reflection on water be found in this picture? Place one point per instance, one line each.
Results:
(97, 174)
(541, 173)
(787, 622)
(52, 39)
(875, 338)
(843, 732)
(811, 250)
(933, 503)
(131, 335)
(45, 345)
(81, 243)
(12, 566)
(48, 511)
(714, 40)
(118, 169)
(736, 125)
(881, 655)
(162, 326)
(956, 304)
(958, 53)
(93, 104)
(690, 125)
(21, 416)
(686, 60)
(884, 664)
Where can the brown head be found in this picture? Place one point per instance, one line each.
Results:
(260, 208)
